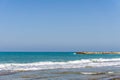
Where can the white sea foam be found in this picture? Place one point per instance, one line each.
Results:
(54, 65)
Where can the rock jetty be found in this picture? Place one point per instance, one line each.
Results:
(97, 52)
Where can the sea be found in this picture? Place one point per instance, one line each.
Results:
(58, 66)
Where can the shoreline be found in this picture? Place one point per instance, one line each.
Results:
(88, 73)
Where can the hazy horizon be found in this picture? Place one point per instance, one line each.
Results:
(59, 25)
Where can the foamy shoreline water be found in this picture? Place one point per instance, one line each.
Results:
(89, 73)
(68, 64)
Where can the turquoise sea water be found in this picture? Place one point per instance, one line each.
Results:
(30, 57)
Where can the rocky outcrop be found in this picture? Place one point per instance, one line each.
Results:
(97, 52)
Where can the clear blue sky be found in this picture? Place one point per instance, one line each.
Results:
(59, 25)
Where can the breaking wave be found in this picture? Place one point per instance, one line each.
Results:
(55, 65)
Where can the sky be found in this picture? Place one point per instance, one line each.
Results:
(59, 25)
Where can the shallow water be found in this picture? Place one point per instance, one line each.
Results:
(101, 73)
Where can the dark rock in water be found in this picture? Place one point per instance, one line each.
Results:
(88, 67)
(112, 78)
(7, 73)
(83, 73)
(93, 73)
(115, 79)
(93, 79)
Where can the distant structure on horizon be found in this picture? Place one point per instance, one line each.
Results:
(97, 52)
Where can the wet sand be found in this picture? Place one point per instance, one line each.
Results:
(88, 73)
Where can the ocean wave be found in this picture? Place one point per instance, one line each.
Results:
(54, 65)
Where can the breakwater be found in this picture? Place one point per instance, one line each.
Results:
(97, 52)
